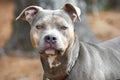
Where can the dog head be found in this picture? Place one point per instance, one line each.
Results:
(52, 31)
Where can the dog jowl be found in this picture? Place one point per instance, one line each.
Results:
(52, 33)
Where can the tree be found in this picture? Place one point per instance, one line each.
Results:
(20, 38)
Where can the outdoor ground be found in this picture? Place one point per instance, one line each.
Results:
(105, 26)
(20, 68)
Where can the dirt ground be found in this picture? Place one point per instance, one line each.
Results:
(20, 68)
(105, 26)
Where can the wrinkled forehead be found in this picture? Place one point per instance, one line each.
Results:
(51, 16)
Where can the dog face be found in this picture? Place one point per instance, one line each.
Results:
(52, 31)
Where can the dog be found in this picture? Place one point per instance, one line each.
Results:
(63, 56)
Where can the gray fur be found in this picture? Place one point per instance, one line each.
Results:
(97, 61)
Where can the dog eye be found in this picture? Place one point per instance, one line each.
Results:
(39, 26)
(63, 27)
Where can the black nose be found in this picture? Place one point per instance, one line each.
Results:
(50, 39)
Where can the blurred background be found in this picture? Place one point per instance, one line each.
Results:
(18, 59)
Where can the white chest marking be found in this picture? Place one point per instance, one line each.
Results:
(51, 59)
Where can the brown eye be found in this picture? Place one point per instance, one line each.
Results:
(63, 27)
(39, 26)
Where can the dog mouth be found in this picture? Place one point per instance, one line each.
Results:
(52, 51)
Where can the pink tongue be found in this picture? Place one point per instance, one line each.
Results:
(50, 51)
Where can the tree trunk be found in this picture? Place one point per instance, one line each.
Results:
(20, 38)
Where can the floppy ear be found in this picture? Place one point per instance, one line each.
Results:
(29, 13)
(73, 11)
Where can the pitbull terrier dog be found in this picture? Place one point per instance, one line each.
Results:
(63, 57)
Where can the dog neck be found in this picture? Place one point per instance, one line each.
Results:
(67, 63)
(73, 54)
(61, 77)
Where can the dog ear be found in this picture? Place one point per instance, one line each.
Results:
(29, 13)
(73, 11)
